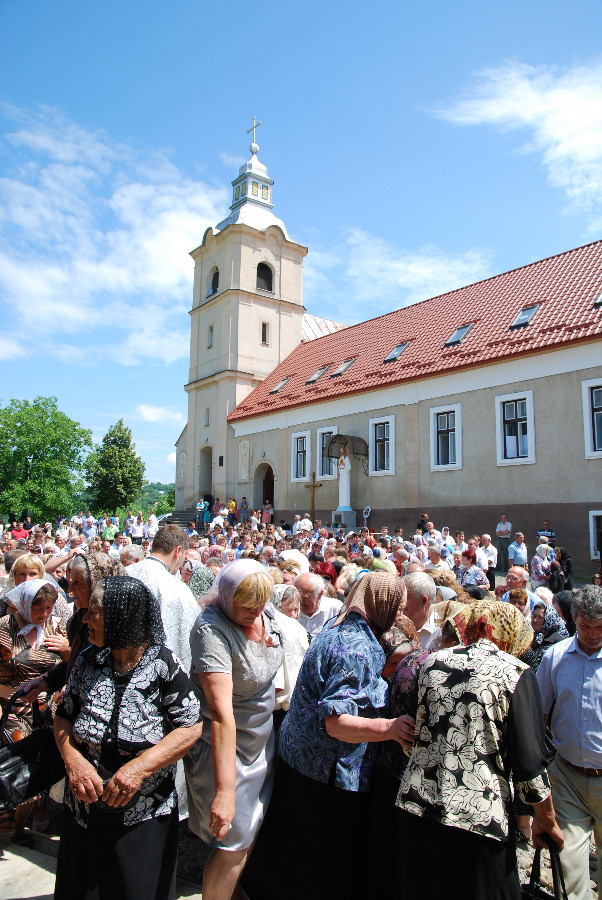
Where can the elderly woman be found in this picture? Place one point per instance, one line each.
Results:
(31, 640)
(236, 654)
(469, 574)
(327, 745)
(479, 725)
(540, 567)
(295, 641)
(548, 628)
(127, 715)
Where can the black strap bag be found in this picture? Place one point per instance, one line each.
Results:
(29, 766)
(535, 890)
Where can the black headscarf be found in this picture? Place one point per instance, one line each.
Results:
(132, 614)
(564, 600)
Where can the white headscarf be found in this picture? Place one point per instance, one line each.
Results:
(224, 587)
(21, 598)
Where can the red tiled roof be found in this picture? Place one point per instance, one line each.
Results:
(565, 287)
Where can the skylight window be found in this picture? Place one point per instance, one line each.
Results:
(280, 385)
(317, 374)
(343, 367)
(524, 317)
(458, 335)
(395, 353)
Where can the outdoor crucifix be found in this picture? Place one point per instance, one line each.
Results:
(313, 484)
(253, 127)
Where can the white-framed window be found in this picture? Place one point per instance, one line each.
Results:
(381, 446)
(300, 456)
(515, 429)
(592, 417)
(327, 468)
(595, 533)
(207, 417)
(446, 437)
(209, 337)
(265, 333)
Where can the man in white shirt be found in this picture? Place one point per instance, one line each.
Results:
(305, 524)
(421, 598)
(487, 559)
(435, 563)
(316, 609)
(503, 530)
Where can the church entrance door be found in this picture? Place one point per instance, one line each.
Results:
(205, 472)
(263, 485)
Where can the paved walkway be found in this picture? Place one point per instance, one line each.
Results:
(28, 874)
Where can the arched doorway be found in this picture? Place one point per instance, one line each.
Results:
(206, 472)
(263, 485)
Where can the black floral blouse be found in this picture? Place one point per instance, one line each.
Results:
(479, 726)
(115, 717)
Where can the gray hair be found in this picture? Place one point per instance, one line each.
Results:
(316, 582)
(587, 602)
(544, 594)
(419, 583)
(133, 553)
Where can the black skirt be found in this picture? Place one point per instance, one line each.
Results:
(311, 842)
(111, 861)
(436, 860)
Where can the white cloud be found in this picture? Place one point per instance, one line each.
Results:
(232, 160)
(560, 110)
(95, 236)
(10, 349)
(365, 275)
(159, 414)
(171, 459)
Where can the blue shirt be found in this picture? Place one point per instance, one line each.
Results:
(341, 673)
(518, 553)
(573, 679)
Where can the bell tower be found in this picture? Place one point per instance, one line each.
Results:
(246, 317)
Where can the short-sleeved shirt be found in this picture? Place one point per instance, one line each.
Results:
(341, 674)
(115, 717)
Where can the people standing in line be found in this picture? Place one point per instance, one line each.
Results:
(570, 680)
(503, 532)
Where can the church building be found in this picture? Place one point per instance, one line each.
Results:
(484, 400)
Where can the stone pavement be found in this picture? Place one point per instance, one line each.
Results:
(28, 874)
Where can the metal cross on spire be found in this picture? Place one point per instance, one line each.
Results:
(253, 127)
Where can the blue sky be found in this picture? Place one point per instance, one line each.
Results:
(414, 147)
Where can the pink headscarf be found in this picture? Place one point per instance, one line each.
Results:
(224, 587)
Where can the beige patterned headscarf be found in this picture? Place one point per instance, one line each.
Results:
(496, 621)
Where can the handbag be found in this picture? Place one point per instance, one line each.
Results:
(534, 890)
(29, 766)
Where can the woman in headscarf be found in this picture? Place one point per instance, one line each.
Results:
(327, 745)
(562, 603)
(540, 567)
(548, 628)
(127, 715)
(83, 572)
(236, 653)
(479, 725)
(26, 649)
(566, 564)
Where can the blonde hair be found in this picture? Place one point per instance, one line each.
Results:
(275, 574)
(254, 591)
(28, 561)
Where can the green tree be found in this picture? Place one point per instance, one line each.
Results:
(167, 503)
(114, 470)
(42, 459)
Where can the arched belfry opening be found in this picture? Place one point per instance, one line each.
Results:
(265, 278)
(213, 285)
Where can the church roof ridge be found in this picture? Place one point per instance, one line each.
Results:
(473, 325)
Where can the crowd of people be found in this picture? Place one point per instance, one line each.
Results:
(388, 697)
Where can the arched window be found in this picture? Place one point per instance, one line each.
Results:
(214, 282)
(264, 277)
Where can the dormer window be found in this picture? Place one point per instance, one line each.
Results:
(317, 374)
(213, 282)
(280, 385)
(598, 302)
(264, 277)
(458, 335)
(525, 316)
(395, 353)
(343, 367)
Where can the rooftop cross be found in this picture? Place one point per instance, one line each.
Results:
(252, 129)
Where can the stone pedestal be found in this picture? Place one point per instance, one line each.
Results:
(344, 517)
